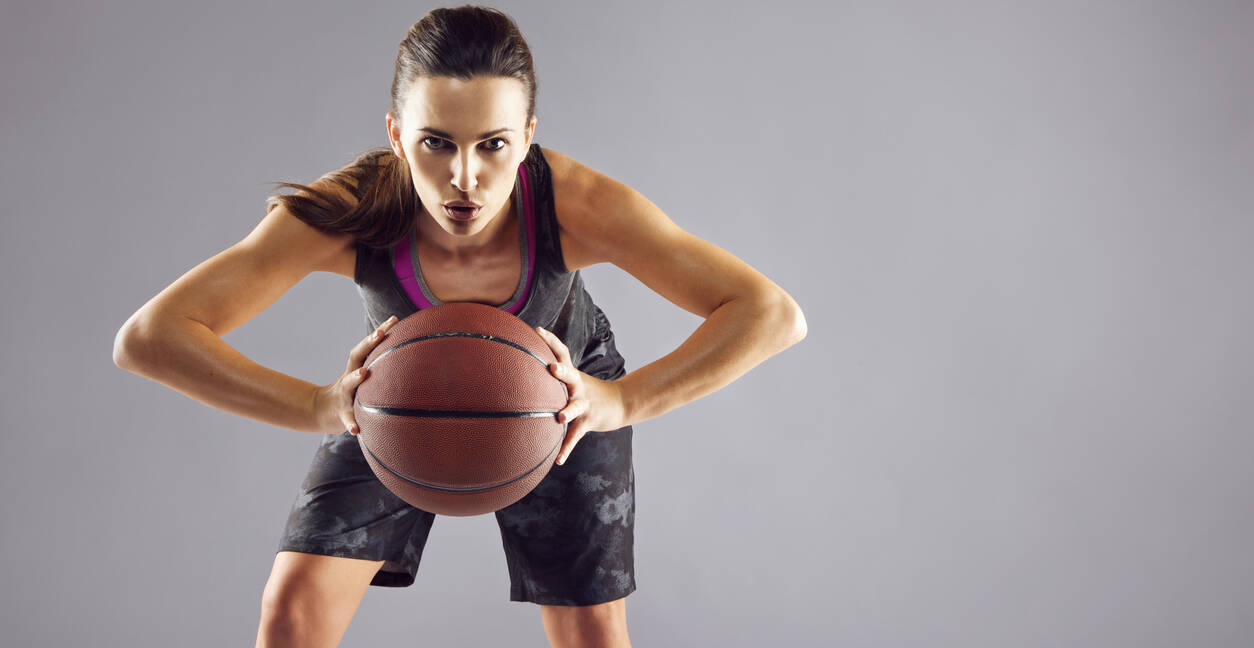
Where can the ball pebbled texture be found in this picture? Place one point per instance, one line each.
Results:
(458, 411)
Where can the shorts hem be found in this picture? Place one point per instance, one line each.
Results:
(517, 594)
(382, 578)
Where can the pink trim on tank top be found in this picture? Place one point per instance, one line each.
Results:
(404, 268)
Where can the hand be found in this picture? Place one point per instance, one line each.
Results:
(333, 404)
(594, 405)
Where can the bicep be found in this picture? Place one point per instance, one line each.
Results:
(236, 284)
(620, 225)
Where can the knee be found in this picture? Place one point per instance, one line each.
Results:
(280, 614)
(284, 610)
(277, 597)
(603, 624)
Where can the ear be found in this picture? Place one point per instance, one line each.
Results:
(531, 132)
(394, 135)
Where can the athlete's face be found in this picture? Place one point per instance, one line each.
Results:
(463, 140)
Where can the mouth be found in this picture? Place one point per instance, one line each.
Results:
(459, 212)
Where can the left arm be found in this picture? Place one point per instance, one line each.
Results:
(735, 337)
(748, 318)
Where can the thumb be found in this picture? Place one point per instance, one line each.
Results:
(348, 421)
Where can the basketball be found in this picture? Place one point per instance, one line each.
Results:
(458, 413)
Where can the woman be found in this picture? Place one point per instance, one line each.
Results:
(463, 206)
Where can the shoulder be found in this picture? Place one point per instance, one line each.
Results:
(590, 210)
(604, 220)
(341, 248)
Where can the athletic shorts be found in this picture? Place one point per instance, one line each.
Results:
(567, 542)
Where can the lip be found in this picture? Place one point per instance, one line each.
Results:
(462, 203)
(460, 215)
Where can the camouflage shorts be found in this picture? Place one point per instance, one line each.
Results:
(567, 542)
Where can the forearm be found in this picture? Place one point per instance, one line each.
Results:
(735, 338)
(188, 357)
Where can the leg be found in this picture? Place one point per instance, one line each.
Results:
(310, 599)
(587, 626)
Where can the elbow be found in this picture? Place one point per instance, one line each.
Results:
(779, 318)
(127, 348)
(790, 321)
(798, 324)
(794, 321)
(132, 340)
(122, 344)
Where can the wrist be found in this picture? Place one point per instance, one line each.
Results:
(317, 422)
(625, 395)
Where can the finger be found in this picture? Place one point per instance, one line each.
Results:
(559, 347)
(573, 410)
(377, 334)
(572, 439)
(572, 385)
(351, 381)
(357, 356)
(346, 418)
(565, 373)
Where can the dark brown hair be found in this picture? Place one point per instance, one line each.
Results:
(460, 42)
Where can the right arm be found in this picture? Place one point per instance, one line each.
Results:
(176, 338)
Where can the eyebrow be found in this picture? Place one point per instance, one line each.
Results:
(439, 133)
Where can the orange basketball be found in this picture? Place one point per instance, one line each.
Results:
(458, 414)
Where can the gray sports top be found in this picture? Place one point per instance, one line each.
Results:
(390, 281)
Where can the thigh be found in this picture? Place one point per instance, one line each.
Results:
(570, 540)
(316, 582)
(310, 599)
(343, 510)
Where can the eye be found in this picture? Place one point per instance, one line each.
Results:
(441, 146)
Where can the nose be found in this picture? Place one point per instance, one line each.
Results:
(465, 172)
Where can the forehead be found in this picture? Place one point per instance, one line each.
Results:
(464, 109)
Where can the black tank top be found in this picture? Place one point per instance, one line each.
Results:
(390, 280)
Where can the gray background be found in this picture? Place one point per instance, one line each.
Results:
(1020, 234)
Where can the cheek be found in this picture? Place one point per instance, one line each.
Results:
(423, 168)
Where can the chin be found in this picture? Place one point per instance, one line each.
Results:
(463, 229)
